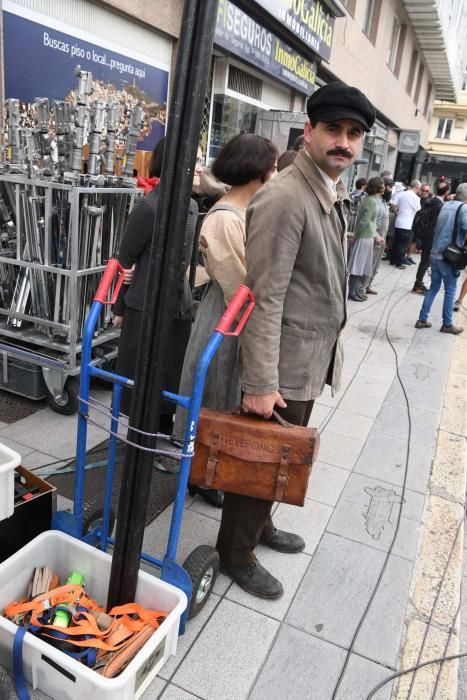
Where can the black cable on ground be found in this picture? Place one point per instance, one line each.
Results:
(399, 516)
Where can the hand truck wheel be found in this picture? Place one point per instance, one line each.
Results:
(92, 520)
(67, 403)
(202, 566)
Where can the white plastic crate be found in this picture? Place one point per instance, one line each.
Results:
(9, 460)
(52, 671)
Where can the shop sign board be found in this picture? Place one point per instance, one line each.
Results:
(40, 55)
(244, 37)
(409, 141)
(309, 20)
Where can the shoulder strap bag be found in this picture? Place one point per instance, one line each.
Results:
(453, 254)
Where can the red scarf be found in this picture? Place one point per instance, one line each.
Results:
(147, 183)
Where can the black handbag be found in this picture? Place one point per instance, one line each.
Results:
(453, 254)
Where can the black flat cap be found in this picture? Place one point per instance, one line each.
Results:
(340, 101)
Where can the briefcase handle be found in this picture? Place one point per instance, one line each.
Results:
(242, 295)
(277, 416)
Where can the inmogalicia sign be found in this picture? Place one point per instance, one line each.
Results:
(242, 36)
(309, 20)
(409, 141)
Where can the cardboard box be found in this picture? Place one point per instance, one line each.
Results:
(29, 518)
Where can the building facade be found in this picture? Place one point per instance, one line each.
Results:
(446, 155)
(268, 56)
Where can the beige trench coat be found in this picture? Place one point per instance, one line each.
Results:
(296, 267)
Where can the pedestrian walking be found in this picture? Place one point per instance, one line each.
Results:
(408, 203)
(450, 227)
(365, 238)
(245, 163)
(296, 268)
(424, 230)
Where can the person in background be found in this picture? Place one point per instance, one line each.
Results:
(388, 197)
(424, 229)
(441, 270)
(408, 203)
(365, 238)
(245, 163)
(425, 194)
(360, 187)
(299, 143)
(463, 292)
(134, 257)
(286, 159)
(356, 198)
(382, 226)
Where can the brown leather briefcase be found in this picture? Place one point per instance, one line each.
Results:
(245, 454)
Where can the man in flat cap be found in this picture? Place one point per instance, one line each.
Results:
(296, 268)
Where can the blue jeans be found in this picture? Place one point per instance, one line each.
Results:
(441, 271)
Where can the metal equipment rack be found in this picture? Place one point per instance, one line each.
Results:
(54, 243)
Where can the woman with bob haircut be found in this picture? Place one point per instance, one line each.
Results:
(245, 163)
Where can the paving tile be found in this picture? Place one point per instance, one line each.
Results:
(36, 459)
(361, 677)
(326, 398)
(428, 397)
(319, 414)
(326, 483)
(172, 692)
(350, 425)
(376, 372)
(192, 631)
(228, 654)
(385, 457)
(367, 512)
(155, 689)
(360, 403)
(394, 422)
(199, 505)
(299, 667)
(309, 521)
(288, 568)
(336, 589)
(18, 447)
(338, 450)
(423, 373)
(376, 387)
(196, 530)
(380, 636)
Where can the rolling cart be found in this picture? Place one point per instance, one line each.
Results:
(197, 575)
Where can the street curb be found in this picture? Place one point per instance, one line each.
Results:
(435, 592)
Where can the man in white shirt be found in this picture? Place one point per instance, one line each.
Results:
(408, 203)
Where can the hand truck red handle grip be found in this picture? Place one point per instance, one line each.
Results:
(111, 269)
(242, 295)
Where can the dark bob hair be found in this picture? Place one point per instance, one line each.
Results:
(157, 156)
(244, 158)
(375, 185)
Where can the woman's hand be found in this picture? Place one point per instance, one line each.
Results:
(128, 274)
(379, 239)
(117, 322)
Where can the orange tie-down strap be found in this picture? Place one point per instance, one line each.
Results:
(127, 619)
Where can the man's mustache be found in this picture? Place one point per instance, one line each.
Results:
(340, 152)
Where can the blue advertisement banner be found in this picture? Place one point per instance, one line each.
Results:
(39, 61)
(309, 20)
(243, 37)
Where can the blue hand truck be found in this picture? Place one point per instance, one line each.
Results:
(197, 576)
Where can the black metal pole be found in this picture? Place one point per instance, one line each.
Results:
(191, 74)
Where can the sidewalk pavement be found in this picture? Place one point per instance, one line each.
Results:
(244, 647)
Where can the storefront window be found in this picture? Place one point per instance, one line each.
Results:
(229, 118)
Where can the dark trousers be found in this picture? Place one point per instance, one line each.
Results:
(424, 263)
(245, 519)
(402, 238)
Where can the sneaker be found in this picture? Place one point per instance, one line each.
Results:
(419, 290)
(457, 305)
(355, 298)
(422, 324)
(400, 267)
(282, 541)
(454, 330)
(409, 261)
(254, 579)
(369, 290)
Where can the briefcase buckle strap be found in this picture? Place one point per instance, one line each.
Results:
(283, 475)
(213, 458)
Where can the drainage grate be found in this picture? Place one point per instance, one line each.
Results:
(13, 408)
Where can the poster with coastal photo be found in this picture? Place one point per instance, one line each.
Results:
(40, 56)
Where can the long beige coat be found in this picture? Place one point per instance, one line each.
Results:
(296, 268)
